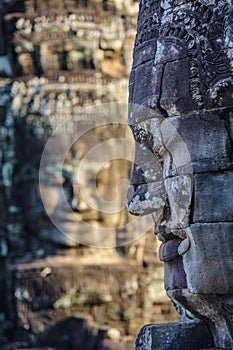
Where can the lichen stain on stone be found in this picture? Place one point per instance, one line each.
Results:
(139, 206)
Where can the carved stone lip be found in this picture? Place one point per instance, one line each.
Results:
(169, 250)
(173, 248)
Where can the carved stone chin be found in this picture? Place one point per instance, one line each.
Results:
(182, 74)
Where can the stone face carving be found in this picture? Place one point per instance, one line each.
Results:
(55, 60)
(181, 88)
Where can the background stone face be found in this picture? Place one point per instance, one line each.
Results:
(57, 57)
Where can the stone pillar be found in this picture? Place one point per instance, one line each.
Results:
(181, 83)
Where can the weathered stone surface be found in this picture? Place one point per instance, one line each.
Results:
(215, 309)
(139, 83)
(175, 336)
(207, 140)
(147, 166)
(176, 98)
(188, 86)
(147, 198)
(213, 199)
(174, 274)
(152, 155)
(210, 251)
(145, 53)
(210, 151)
(179, 190)
(208, 63)
(169, 250)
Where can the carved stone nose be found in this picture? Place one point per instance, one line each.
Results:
(146, 198)
(79, 205)
(147, 193)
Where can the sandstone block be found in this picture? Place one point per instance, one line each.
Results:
(174, 275)
(213, 197)
(179, 190)
(211, 149)
(140, 86)
(208, 263)
(145, 52)
(174, 336)
(175, 98)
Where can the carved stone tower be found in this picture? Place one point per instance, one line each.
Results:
(182, 82)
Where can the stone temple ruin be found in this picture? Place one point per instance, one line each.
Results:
(59, 56)
(182, 82)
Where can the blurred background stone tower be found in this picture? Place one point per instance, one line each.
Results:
(57, 57)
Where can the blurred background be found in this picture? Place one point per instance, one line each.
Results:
(57, 58)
